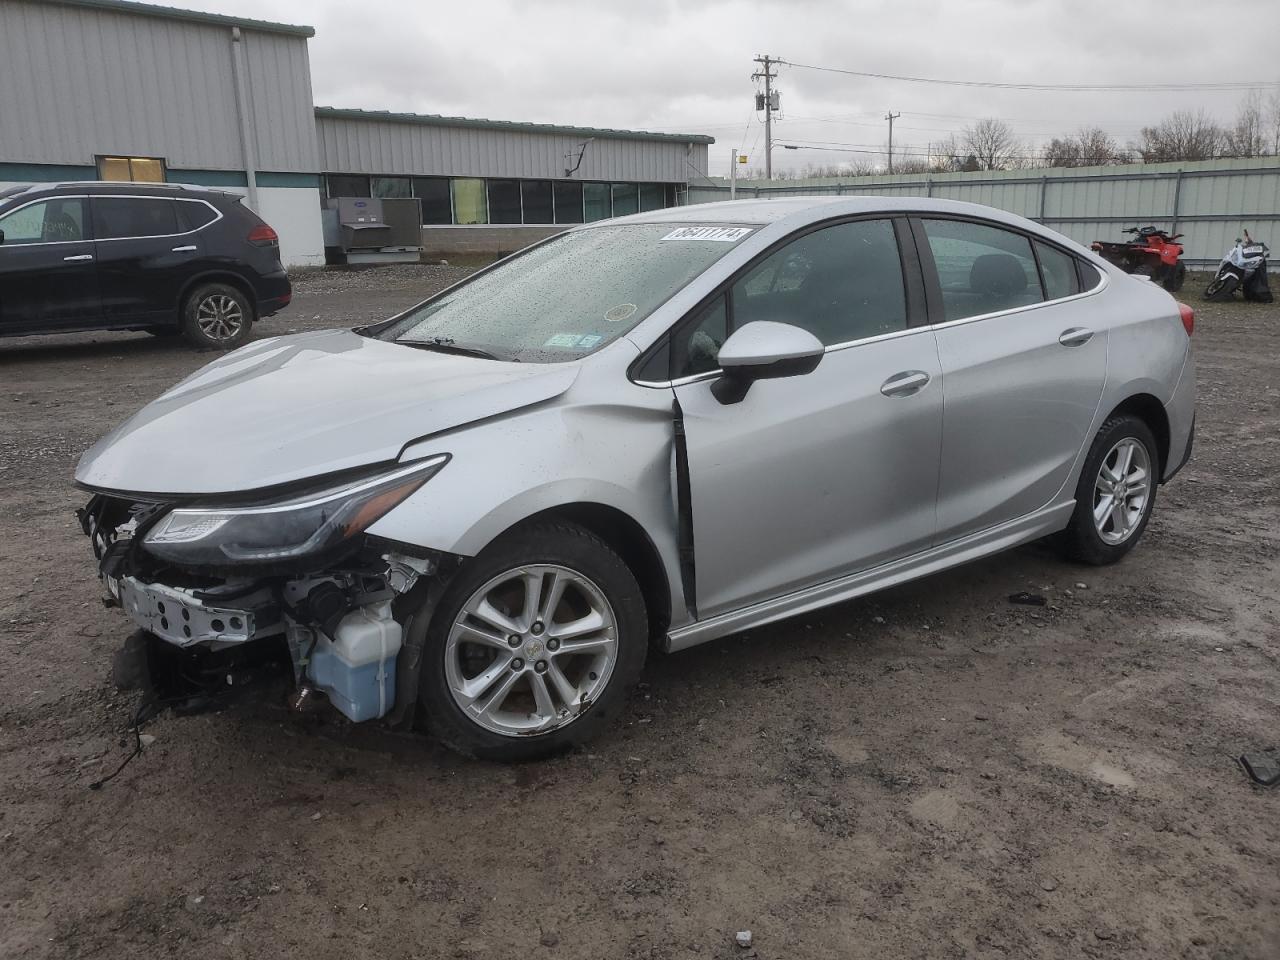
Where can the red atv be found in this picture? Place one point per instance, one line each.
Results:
(1152, 253)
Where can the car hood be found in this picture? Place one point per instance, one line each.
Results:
(294, 407)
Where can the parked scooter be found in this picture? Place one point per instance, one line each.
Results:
(1152, 253)
(1245, 269)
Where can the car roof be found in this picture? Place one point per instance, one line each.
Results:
(109, 187)
(799, 208)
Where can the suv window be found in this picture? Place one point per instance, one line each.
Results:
(1058, 270)
(116, 218)
(194, 214)
(56, 220)
(841, 283)
(982, 269)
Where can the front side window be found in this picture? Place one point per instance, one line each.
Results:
(982, 269)
(841, 283)
(695, 347)
(59, 220)
(569, 296)
(117, 218)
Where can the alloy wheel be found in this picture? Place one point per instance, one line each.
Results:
(1121, 491)
(219, 317)
(531, 650)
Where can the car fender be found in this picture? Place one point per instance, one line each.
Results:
(574, 450)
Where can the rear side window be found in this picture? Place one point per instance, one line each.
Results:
(192, 215)
(1058, 270)
(118, 218)
(1090, 277)
(982, 269)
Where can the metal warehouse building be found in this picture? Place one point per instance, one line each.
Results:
(116, 90)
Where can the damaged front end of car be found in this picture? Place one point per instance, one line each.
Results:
(230, 591)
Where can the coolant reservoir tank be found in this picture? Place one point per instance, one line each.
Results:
(356, 669)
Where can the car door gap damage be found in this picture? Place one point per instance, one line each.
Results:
(684, 512)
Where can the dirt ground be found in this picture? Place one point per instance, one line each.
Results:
(929, 773)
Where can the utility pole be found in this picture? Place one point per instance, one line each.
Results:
(891, 116)
(770, 103)
(733, 174)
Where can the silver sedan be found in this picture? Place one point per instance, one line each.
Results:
(651, 431)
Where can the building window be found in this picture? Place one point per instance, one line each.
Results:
(437, 205)
(469, 205)
(392, 188)
(504, 201)
(342, 185)
(131, 169)
(626, 199)
(535, 195)
(596, 201)
(653, 196)
(568, 197)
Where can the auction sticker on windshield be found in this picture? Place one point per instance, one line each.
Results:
(716, 234)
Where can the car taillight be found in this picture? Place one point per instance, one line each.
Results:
(1188, 318)
(263, 236)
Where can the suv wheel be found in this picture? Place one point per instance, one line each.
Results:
(1116, 492)
(217, 316)
(534, 645)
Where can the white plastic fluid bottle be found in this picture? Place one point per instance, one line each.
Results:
(356, 669)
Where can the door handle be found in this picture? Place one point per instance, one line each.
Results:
(1075, 337)
(83, 256)
(187, 249)
(904, 384)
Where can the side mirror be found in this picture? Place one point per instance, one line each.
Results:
(764, 350)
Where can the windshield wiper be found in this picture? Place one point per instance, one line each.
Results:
(446, 345)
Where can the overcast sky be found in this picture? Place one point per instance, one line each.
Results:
(686, 66)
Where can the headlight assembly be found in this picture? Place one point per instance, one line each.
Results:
(287, 529)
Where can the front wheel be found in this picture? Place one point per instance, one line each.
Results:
(1176, 276)
(217, 316)
(1221, 288)
(534, 645)
(1116, 492)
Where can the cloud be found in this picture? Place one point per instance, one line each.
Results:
(685, 66)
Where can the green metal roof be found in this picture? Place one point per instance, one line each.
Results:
(192, 16)
(436, 120)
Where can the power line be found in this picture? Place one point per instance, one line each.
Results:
(1085, 87)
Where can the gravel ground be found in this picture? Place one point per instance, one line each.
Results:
(931, 772)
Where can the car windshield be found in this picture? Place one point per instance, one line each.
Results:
(569, 296)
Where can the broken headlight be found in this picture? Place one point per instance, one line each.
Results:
(286, 529)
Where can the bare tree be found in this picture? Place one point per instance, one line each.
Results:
(992, 143)
(1088, 147)
(1182, 135)
(1248, 137)
(1273, 121)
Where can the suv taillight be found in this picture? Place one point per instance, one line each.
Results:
(1188, 318)
(263, 236)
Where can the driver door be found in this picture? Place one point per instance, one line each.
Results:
(48, 278)
(814, 477)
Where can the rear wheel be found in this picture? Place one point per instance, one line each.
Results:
(217, 316)
(1116, 492)
(1221, 288)
(534, 645)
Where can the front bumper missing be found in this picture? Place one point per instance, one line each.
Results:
(183, 619)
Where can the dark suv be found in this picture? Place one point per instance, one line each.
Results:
(162, 258)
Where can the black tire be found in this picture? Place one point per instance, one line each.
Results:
(1082, 540)
(561, 544)
(1221, 289)
(1173, 281)
(200, 313)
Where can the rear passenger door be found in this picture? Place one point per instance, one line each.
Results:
(1023, 364)
(145, 251)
